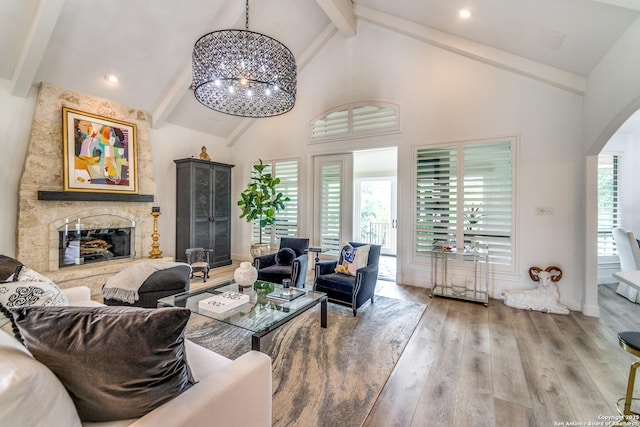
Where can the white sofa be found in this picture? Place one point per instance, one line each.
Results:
(227, 393)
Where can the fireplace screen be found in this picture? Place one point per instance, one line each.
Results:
(82, 246)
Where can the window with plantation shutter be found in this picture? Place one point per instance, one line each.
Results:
(286, 224)
(608, 204)
(464, 197)
(354, 120)
(331, 208)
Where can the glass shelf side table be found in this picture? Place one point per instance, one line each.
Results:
(468, 281)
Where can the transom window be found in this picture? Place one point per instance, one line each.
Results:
(355, 120)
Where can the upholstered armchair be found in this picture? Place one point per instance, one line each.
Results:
(199, 259)
(629, 254)
(290, 262)
(344, 288)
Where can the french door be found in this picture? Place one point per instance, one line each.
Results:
(333, 200)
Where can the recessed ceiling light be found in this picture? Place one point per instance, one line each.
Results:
(464, 13)
(111, 78)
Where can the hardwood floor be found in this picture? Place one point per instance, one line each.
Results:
(471, 365)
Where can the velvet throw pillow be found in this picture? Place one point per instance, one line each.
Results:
(28, 287)
(353, 259)
(285, 256)
(116, 362)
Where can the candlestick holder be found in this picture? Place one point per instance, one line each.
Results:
(155, 246)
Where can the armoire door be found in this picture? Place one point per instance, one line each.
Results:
(202, 229)
(221, 224)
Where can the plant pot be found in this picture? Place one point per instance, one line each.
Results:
(259, 249)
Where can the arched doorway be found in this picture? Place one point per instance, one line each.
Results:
(624, 122)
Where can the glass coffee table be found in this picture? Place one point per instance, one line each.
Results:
(261, 315)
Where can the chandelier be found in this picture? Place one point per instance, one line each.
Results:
(244, 73)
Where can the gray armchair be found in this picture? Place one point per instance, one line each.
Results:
(346, 289)
(290, 262)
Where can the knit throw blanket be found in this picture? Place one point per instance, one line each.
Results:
(124, 286)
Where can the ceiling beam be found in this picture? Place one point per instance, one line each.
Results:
(340, 12)
(234, 11)
(551, 75)
(42, 26)
(316, 45)
(303, 60)
(627, 4)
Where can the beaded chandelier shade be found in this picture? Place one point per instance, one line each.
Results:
(244, 73)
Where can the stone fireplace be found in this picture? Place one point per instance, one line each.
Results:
(95, 239)
(41, 220)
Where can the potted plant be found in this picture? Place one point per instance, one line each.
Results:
(260, 201)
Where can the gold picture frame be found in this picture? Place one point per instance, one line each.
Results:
(100, 153)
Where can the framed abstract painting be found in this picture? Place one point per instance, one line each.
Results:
(99, 153)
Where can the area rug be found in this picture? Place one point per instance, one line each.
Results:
(324, 377)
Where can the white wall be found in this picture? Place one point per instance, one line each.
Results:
(375, 163)
(15, 128)
(444, 97)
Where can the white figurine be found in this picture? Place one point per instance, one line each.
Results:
(543, 298)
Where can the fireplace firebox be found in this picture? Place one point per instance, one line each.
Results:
(82, 244)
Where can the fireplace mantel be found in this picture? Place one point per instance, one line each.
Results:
(80, 196)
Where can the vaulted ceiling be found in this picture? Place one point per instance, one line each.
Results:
(148, 43)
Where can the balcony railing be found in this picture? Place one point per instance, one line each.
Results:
(377, 234)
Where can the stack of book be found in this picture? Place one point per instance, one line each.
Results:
(223, 302)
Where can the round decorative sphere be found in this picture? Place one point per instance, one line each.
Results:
(245, 275)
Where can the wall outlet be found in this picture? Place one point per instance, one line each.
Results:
(545, 210)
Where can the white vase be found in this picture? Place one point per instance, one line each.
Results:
(245, 275)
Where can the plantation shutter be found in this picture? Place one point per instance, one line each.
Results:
(436, 197)
(286, 224)
(331, 207)
(608, 203)
(464, 197)
(333, 125)
(355, 120)
(488, 198)
(370, 119)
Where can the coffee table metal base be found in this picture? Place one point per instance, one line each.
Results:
(255, 338)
